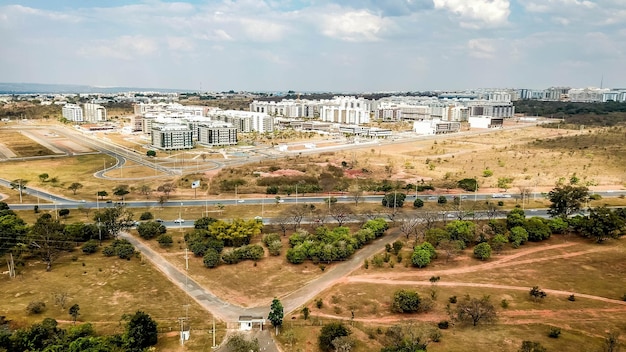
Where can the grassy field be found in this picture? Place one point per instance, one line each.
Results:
(23, 146)
(568, 264)
(104, 288)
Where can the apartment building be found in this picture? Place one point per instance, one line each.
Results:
(94, 112)
(216, 134)
(171, 137)
(346, 110)
(245, 121)
(72, 112)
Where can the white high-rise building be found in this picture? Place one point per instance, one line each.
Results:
(94, 112)
(346, 110)
(72, 112)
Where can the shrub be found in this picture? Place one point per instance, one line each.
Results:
(444, 324)
(518, 236)
(571, 298)
(418, 203)
(146, 216)
(405, 301)
(125, 251)
(211, 258)
(442, 200)
(108, 251)
(482, 251)
(420, 258)
(90, 247)
(329, 333)
(296, 255)
(554, 333)
(35, 307)
(452, 299)
(165, 240)
(275, 247)
(269, 238)
(319, 303)
(504, 304)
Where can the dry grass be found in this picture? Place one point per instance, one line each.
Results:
(105, 288)
(22, 145)
(241, 283)
(569, 264)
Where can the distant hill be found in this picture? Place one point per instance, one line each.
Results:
(37, 88)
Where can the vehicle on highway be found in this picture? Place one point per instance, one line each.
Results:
(432, 198)
(240, 201)
(158, 220)
(179, 221)
(109, 201)
(500, 195)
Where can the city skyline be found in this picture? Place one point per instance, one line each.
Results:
(315, 45)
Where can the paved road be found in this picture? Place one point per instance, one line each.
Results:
(291, 301)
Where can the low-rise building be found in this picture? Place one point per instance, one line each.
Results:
(171, 137)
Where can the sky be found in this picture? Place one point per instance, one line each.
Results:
(315, 45)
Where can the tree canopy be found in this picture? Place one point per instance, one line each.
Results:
(567, 199)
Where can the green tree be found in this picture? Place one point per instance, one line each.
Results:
(47, 240)
(276, 314)
(602, 224)
(75, 186)
(141, 332)
(442, 200)
(567, 199)
(462, 230)
(468, 184)
(497, 242)
(165, 240)
(74, 312)
(330, 332)
(19, 185)
(113, 220)
(121, 191)
(482, 251)
(12, 228)
(504, 183)
(518, 236)
(418, 203)
(211, 258)
(203, 223)
(151, 153)
(394, 200)
(420, 258)
(537, 229)
(405, 301)
(404, 338)
(515, 217)
(150, 229)
(475, 310)
(305, 313)
(102, 194)
(43, 177)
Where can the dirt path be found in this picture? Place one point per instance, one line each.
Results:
(360, 279)
(500, 263)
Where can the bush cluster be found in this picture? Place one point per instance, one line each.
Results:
(332, 245)
(122, 248)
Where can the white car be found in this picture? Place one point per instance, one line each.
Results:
(241, 201)
(179, 221)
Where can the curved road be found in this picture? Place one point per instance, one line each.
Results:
(291, 301)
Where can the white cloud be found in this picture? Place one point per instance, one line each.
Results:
(180, 43)
(264, 31)
(124, 48)
(480, 13)
(543, 6)
(354, 26)
(481, 48)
